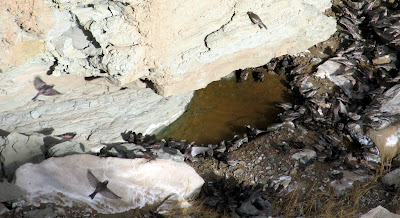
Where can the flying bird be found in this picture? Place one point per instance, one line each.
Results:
(101, 187)
(43, 88)
(256, 19)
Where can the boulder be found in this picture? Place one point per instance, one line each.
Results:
(9, 192)
(67, 148)
(3, 209)
(139, 182)
(392, 178)
(341, 185)
(380, 212)
(96, 110)
(18, 149)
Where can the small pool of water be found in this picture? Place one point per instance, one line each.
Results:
(225, 107)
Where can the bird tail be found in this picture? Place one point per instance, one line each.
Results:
(37, 95)
(261, 25)
(92, 195)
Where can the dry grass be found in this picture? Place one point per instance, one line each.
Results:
(198, 209)
(325, 204)
(313, 204)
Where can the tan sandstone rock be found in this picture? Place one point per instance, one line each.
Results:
(180, 45)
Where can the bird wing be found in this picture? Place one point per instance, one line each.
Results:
(109, 194)
(92, 179)
(38, 83)
(51, 91)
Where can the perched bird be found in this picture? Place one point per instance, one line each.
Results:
(253, 132)
(149, 155)
(180, 145)
(239, 142)
(43, 88)
(158, 145)
(139, 139)
(103, 152)
(131, 137)
(243, 76)
(260, 77)
(101, 187)
(256, 19)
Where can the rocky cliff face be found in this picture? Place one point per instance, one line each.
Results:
(171, 44)
(178, 46)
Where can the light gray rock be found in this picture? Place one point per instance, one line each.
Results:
(161, 41)
(97, 111)
(347, 181)
(2, 145)
(255, 205)
(20, 149)
(163, 154)
(130, 150)
(67, 148)
(3, 209)
(47, 212)
(392, 178)
(9, 192)
(335, 72)
(306, 154)
(63, 181)
(390, 102)
(380, 212)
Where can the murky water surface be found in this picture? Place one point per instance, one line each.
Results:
(224, 107)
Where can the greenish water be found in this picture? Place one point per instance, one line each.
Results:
(223, 108)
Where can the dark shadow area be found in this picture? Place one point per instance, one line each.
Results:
(4, 133)
(227, 196)
(52, 67)
(149, 84)
(87, 33)
(46, 131)
(91, 78)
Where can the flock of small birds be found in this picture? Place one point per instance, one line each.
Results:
(370, 45)
(368, 73)
(242, 75)
(189, 150)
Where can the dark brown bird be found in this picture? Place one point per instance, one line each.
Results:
(243, 75)
(43, 88)
(101, 187)
(260, 77)
(256, 19)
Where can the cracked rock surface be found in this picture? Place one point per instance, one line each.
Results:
(172, 45)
